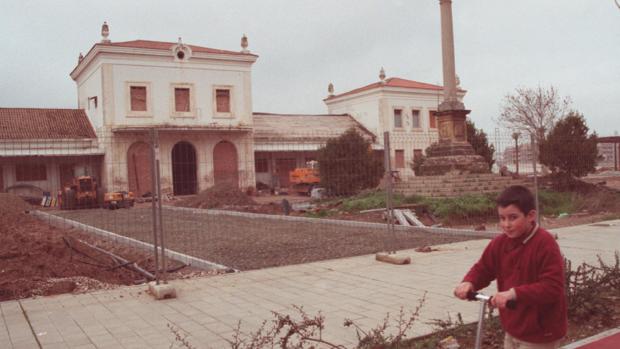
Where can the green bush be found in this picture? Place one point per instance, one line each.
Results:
(466, 206)
(553, 203)
(369, 200)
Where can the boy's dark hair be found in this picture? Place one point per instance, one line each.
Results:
(519, 196)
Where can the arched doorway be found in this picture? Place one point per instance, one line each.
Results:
(225, 169)
(139, 173)
(184, 169)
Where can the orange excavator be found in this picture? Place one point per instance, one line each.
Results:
(304, 179)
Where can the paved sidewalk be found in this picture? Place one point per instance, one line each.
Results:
(208, 309)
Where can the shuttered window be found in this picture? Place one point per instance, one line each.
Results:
(138, 98)
(222, 100)
(181, 99)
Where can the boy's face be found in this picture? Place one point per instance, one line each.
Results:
(515, 223)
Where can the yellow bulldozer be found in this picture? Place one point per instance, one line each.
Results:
(84, 192)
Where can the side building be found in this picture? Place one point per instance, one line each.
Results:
(405, 108)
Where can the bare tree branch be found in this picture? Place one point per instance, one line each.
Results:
(533, 110)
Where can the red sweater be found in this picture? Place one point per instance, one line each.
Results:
(535, 269)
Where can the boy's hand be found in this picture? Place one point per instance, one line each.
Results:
(462, 289)
(500, 299)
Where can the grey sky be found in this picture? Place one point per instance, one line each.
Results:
(304, 45)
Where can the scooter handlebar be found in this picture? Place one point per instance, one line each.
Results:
(476, 296)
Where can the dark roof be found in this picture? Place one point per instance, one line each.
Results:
(300, 127)
(35, 123)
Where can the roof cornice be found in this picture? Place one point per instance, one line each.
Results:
(98, 49)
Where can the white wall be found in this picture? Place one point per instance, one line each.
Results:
(203, 80)
(89, 85)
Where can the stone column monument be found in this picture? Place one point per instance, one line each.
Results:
(452, 154)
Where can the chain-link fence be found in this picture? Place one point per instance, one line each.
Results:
(247, 199)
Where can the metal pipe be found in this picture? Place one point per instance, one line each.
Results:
(483, 305)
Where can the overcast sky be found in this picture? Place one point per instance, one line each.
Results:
(304, 45)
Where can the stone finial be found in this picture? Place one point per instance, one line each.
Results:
(180, 42)
(80, 57)
(244, 44)
(382, 75)
(105, 32)
(458, 81)
(330, 89)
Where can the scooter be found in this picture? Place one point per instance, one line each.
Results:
(484, 299)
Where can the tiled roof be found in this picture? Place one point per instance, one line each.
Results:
(392, 82)
(303, 127)
(162, 45)
(34, 123)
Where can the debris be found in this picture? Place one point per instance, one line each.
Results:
(563, 215)
(392, 258)
(448, 343)
(400, 217)
(425, 249)
(217, 196)
(411, 217)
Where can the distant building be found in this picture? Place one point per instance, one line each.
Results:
(405, 108)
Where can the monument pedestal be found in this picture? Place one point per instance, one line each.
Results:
(452, 154)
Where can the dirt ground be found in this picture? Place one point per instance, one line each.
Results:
(246, 243)
(35, 260)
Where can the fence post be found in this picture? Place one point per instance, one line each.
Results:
(388, 187)
(159, 212)
(154, 174)
(534, 145)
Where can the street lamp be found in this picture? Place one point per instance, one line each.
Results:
(516, 136)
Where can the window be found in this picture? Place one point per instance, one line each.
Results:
(137, 98)
(399, 158)
(222, 100)
(417, 153)
(182, 102)
(261, 165)
(415, 118)
(30, 172)
(181, 99)
(398, 118)
(432, 122)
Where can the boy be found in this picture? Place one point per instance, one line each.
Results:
(529, 268)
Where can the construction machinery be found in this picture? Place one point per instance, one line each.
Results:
(118, 199)
(82, 192)
(304, 179)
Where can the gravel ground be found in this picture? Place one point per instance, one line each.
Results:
(246, 243)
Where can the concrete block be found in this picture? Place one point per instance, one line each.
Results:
(162, 291)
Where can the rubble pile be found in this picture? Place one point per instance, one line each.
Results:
(218, 196)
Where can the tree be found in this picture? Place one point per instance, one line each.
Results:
(533, 110)
(348, 165)
(568, 149)
(479, 141)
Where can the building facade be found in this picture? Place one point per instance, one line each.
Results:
(404, 108)
(198, 99)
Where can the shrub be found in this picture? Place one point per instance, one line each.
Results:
(348, 165)
(568, 150)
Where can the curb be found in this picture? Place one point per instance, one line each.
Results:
(596, 337)
(432, 230)
(62, 222)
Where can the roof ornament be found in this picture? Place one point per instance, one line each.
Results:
(181, 51)
(244, 44)
(458, 81)
(382, 75)
(80, 57)
(105, 32)
(330, 89)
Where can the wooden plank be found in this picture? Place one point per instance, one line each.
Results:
(411, 217)
(398, 214)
